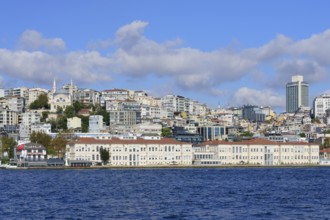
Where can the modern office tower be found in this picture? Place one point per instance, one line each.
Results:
(297, 94)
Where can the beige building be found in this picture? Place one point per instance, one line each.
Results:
(74, 123)
(8, 117)
(33, 95)
(132, 151)
(256, 152)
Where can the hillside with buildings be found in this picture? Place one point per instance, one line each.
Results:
(137, 129)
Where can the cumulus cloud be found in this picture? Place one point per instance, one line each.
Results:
(41, 67)
(33, 40)
(195, 69)
(272, 50)
(100, 45)
(265, 97)
(316, 47)
(312, 71)
(134, 55)
(129, 35)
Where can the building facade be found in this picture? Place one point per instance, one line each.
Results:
(15, 103)
(132, 151)
(95, 124)
(320, 105)
(297, 94)
(256, 152)
(27, 120)
(124, 118)
(31, 154)
(212, 132)
(33, 95)
(20, 92)
(87, 96)
(8, 117)
(74, 123)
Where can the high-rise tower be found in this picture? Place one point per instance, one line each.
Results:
(297, 94)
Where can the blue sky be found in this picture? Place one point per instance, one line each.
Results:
(235, 52)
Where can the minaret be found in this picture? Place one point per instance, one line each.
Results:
(71, 89)
(54, 86)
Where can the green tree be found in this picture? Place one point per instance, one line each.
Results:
(8, 144)
(59, 124)
(246, 134)
(105, 114)
(62, 123)
(59, 110)
(40, 102)
(105, 155)
(166, 131)
(53, 125)
(326, 143)
(302, 135)
(58, 145)
(84, 123)
(316, 120)
(41, 138)
(77, 106)
(70, 111)
(44, 116)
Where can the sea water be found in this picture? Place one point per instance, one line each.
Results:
(191, 193)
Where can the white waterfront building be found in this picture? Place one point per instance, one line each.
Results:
(256, 152)
(131, 151)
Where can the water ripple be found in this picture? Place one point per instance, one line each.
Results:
(278, 193)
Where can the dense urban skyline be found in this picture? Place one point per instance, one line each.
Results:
(232, 52)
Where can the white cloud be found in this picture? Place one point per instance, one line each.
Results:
(136, 56)
(33, 40)
(265, 97)
(272, 50)
(42, 67)
(100, 45)
(312, 71)
(129, 35)
(316, 47)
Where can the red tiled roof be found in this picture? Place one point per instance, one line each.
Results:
(255, 141)
(84, 111)
(123, 141)
(115, 90)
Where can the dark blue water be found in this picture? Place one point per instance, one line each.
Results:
(248, 193)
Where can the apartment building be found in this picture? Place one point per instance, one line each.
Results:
(27, 120)
(33, 95)
(8, 117)
(87, 96)
(320, 105)
(96, 124)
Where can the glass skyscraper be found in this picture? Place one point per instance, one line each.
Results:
(297, 94)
